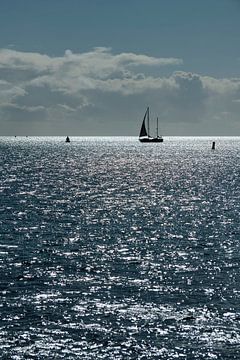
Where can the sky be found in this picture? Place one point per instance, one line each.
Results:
(91, 67)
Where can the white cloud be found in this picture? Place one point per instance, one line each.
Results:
(100, 87)
(9, 92)
(98, 69)
(25, 60)
(221, 86)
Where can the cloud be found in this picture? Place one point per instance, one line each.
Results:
(102, 91)
(16, 113)
(9, 92)
(187, 101)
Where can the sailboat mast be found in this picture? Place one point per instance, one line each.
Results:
(157, 126)
(148, 121)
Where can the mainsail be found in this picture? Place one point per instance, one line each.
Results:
(143, 131)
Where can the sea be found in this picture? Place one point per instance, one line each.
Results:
(114, 249)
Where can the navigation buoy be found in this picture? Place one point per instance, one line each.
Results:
(213, 145)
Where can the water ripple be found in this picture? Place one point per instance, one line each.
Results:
(111, 249)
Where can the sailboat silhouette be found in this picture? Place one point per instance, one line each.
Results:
(144, 135)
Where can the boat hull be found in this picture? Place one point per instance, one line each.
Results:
(151, 140)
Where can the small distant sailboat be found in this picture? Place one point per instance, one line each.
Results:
(67, 139)
(144, 135)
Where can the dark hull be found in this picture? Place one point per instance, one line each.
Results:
(151, 140)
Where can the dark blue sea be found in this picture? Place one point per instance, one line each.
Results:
(113, 249)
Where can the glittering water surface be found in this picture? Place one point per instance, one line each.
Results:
(112, 249)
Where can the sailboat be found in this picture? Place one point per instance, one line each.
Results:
(144, 135)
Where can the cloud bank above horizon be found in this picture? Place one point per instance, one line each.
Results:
(102, 93)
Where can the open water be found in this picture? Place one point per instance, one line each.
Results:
(112, 249)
